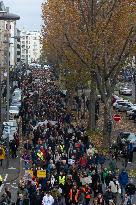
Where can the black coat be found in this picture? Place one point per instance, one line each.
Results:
(108, 196)
(25, 202)
(130, 189)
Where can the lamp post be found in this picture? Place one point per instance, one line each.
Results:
(8, 17)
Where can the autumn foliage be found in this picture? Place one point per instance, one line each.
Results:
(90, 40)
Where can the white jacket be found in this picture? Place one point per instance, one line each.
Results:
(47, 200)
(114, 186)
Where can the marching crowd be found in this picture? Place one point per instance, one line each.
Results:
(75, 173)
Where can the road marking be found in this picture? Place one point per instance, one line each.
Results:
(6, 176)
(15, 187)
(11, 168)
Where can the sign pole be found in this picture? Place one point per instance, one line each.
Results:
(7, 150)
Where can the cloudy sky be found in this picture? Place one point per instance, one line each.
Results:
(28, 10)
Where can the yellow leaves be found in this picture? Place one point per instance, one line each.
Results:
(132, 173)
(112, 23)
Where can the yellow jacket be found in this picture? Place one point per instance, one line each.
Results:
(2, 155)
(1, 178)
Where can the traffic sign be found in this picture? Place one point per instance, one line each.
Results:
(117, 118)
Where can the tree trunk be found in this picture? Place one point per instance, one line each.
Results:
(107, 117)
(92, 117)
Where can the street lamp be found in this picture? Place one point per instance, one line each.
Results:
(8, 17)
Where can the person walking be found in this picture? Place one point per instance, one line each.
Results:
(126, 200)
(130, 190)
(2, 155)
(48, 199)
(108, 196)
(123, 181)
(13, 148)
(1, 180)
(114, 185)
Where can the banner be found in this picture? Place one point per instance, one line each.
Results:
(41, 173)
(30, 172)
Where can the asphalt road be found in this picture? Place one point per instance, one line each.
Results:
(10, 176)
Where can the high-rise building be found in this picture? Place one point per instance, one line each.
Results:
(18, 51)
(30, 46)
(2, 36)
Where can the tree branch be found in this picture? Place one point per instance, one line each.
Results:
(121, 53)
(74, 51)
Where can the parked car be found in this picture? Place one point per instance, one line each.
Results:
(18, 104)
(16, 97)
(115, 104)
(115, 98)
(11, 123)
(132, 116)
(123, 106)
(125, 91)
(13, 112)
(124, 137)
(130, 112)
(9, 128)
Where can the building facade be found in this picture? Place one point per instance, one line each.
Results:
(8, 30)
(18, 51)
(30, 46)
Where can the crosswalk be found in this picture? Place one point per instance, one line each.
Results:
(7, 182)
(4, 181)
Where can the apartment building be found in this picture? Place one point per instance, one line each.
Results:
(8, 31)
(30, 46)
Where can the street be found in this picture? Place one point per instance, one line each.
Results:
(68, 102)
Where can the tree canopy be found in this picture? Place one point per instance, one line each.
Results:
(92, 39)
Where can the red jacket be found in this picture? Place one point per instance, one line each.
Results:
(83, 161)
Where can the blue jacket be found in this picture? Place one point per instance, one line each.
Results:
(130, 148)
(123, 178)
(101, 159)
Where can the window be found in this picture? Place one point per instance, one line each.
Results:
(18, 53)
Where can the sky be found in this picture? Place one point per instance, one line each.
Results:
(29, 12)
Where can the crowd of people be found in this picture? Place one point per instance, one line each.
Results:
(75, 173)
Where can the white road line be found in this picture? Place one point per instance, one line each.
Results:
(11, 168)
(14, 187)
(6, 176)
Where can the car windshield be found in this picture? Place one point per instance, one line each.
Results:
(122, 103)
(17, 94)
(125, 135)
(132, 137)
(13, 108)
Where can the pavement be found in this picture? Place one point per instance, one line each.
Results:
(10, 176)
